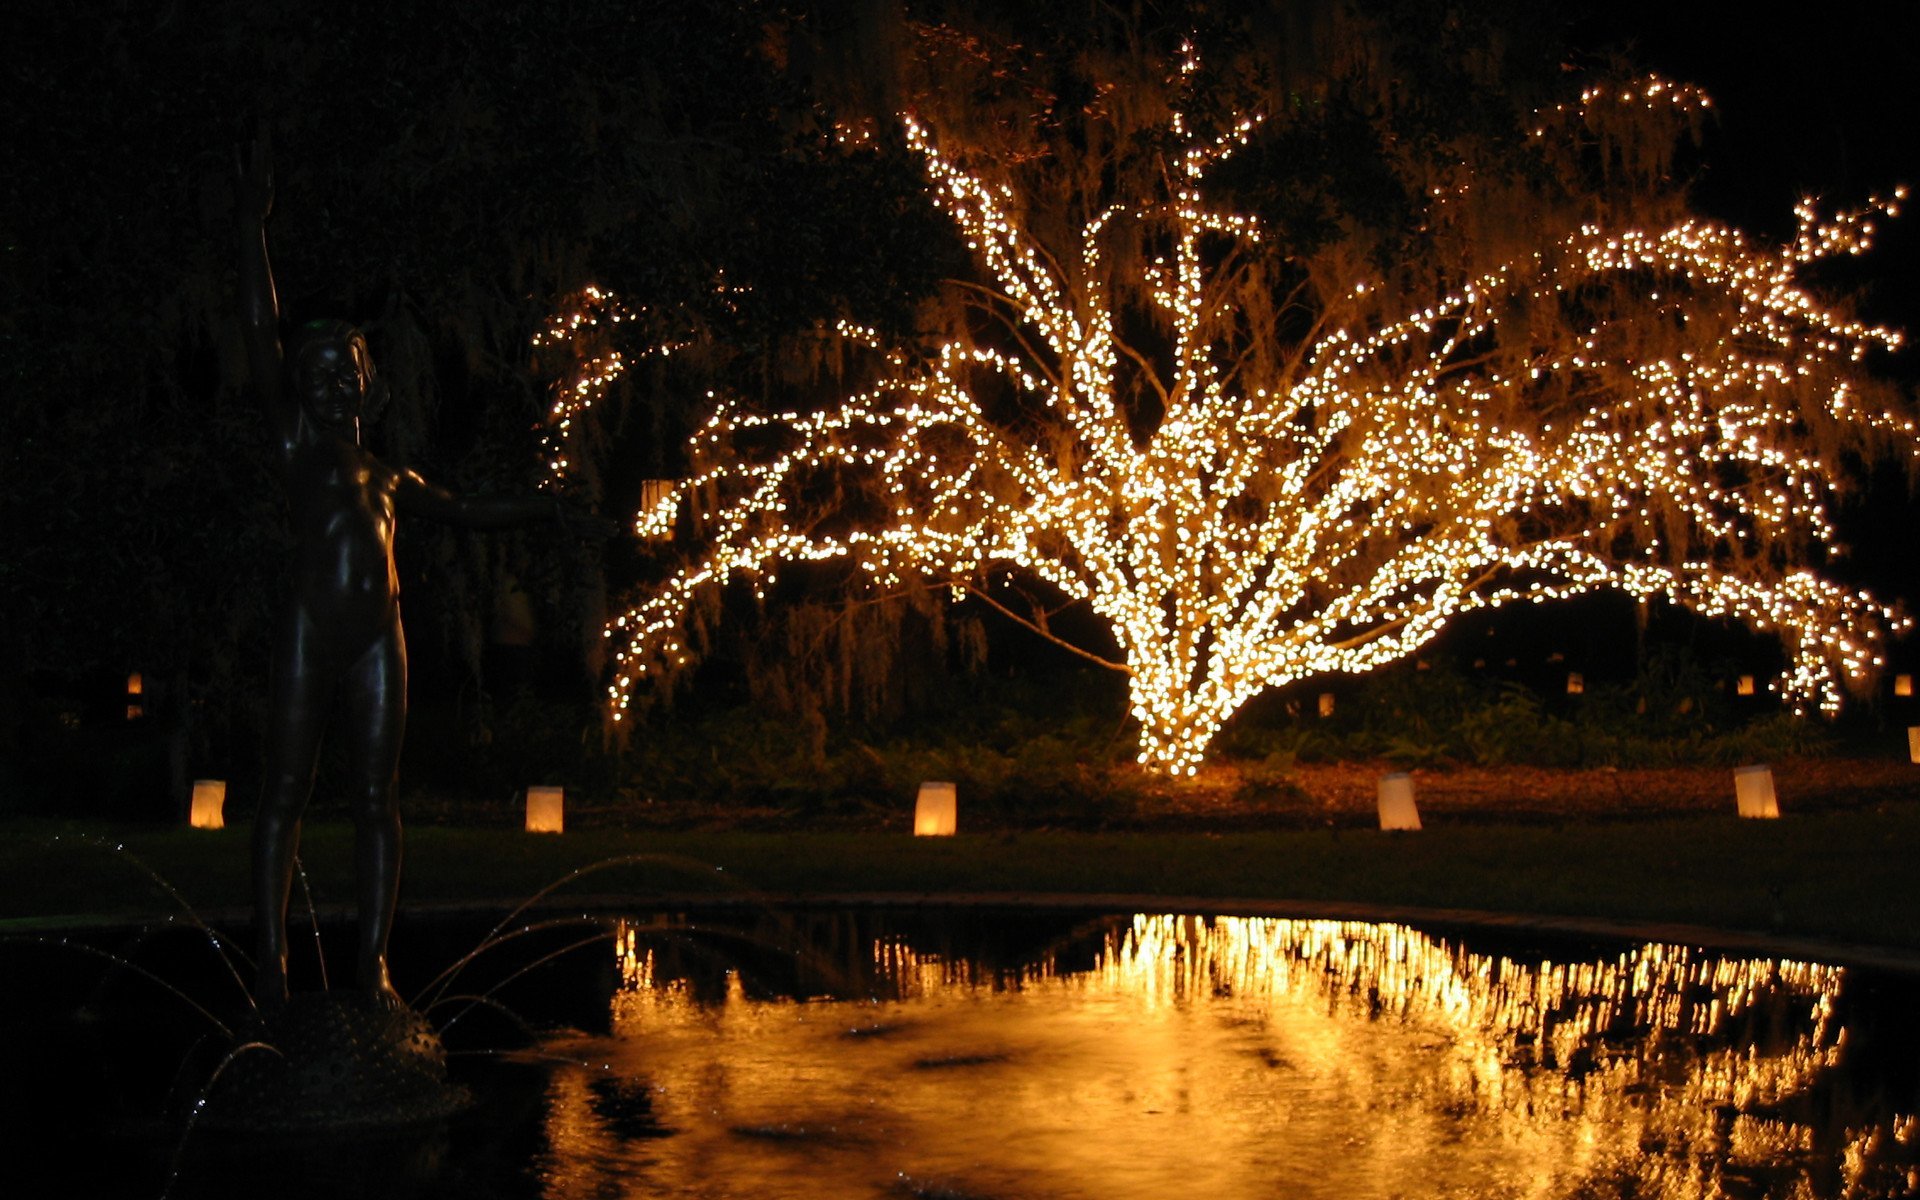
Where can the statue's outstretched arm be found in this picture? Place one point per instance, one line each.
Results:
(416, 497)
(259, 303)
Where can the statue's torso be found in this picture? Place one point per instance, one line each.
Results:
(342, 502)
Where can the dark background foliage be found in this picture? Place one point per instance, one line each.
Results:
(444, 180)
(447, 177)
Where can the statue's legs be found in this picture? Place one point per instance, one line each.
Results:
(374, 723)
(296, 715)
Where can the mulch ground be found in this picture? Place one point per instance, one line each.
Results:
(1222, 798)
(1345, 793)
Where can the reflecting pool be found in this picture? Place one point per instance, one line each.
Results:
(966, 1053)
(1165, 1055)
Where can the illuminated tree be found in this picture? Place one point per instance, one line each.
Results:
(1261, 458)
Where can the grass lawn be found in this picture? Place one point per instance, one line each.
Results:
(1840, 876)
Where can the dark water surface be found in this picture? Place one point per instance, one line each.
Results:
(965, 1054)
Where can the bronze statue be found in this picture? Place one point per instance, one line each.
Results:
(339, 638)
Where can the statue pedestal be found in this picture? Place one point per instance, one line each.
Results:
(334, 1061)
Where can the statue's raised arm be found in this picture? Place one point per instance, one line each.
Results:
(259, 303)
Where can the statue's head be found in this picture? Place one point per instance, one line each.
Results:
(331, 372)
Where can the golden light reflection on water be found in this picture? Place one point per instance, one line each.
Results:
(1178, 1055)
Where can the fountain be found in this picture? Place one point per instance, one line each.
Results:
(333, 1063)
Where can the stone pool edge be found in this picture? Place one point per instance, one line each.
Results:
(1752, 942)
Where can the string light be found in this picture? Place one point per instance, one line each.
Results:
(1654, 411)
(586, 333)
(593, 368)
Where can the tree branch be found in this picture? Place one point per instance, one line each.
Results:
(1041, 629)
